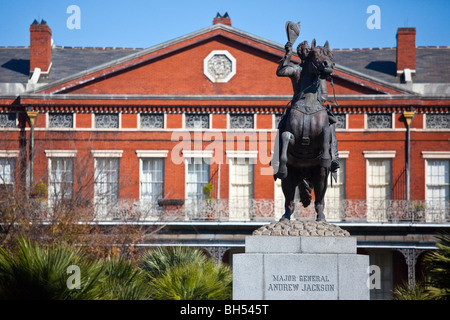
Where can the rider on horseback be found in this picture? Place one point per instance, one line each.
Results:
(287, 68)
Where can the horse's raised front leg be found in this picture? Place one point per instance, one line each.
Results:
(286, 138)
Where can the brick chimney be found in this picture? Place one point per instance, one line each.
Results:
(225, 19)
(40, 47)
(406, 51)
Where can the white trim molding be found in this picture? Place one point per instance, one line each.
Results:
(9, 153)
(343, 154)
(436, 154)
(378, 154)
(198, 153)
(253, 154)
(107, 153)
(240, 155)
(152, 153)
(61, 153)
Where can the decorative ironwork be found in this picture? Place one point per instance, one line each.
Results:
(8, 120)
(107, 120)
(241, 121)
(217, 253)
(264, 210)
(197, 121)
(152, 121)
(60, 120)
(437, 121)
(341, 121)
(411, 256)
(379, 121)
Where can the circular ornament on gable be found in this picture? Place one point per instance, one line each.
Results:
(219, 66)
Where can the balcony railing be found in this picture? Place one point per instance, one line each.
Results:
(271, 210)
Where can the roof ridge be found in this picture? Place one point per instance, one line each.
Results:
(388, 48)
(97, 48)
(14, 47)
(432, 47)
(361, 49)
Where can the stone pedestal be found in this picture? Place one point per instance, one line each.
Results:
(300, 268)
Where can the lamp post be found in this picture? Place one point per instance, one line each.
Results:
(32, 116)
(408, 115)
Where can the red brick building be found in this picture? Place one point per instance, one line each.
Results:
(201, 111)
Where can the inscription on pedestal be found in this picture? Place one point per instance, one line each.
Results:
(300, 276)
(300, 283)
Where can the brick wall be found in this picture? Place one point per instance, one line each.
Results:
(356, 140)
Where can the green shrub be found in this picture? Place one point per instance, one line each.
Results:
(417, 292)
(41, 272)
(156, 262)
(437, 265)
(124, 281)
(186, 274)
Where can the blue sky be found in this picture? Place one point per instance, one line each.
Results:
(142, 24)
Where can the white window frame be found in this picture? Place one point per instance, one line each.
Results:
(108, 154)
(195, 207)
(346, 122)
(152, 129)
(150, 209)
(195, 155)
(233, 157)
(17, 124)
(93, 127)
(424, 125)
(47, 122)
(377, 155)
(55, 154)
(183, 125)
(336, 211)
(244, 129)
(366, 125)
(10, 154)
(434, 211)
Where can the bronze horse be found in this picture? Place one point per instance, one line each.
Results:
(305, 133)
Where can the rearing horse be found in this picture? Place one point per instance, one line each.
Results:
(305, 133)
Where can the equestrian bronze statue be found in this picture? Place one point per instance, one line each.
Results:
(307, 145)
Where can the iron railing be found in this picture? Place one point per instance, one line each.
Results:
(417, 211)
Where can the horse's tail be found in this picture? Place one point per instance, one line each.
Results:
(305, 193)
